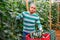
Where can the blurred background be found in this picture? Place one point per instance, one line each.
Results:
(11, 29)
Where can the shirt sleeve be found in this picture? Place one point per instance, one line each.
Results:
(38, 23)
(19, 16)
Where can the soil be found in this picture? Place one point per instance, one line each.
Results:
(57, 34)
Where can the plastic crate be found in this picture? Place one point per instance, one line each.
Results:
(46, 37)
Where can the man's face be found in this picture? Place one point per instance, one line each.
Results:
(32, 9)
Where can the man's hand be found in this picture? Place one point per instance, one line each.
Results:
(41, 29)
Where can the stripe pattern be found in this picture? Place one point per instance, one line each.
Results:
(29, 21)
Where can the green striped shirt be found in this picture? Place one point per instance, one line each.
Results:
(29, 21)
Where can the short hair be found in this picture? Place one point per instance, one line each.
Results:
(32, 4)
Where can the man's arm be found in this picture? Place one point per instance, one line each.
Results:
(19, 16)
(38, 23)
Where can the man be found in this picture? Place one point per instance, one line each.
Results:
(30, 18)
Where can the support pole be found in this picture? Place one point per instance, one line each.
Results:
(50, 14)
(58, 14)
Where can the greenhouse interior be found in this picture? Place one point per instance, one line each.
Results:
(47, 10)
